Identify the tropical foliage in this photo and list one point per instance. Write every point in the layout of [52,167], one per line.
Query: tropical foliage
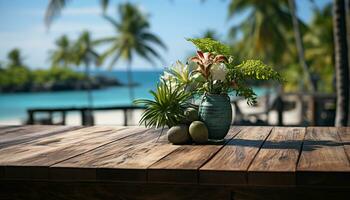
[212,71]
[55,7]
[62,56]
[320,48]
[264,29]
[167,108]
[133,37]
[268,33]
[16,76]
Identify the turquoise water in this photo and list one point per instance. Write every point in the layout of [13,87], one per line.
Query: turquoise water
[14,106]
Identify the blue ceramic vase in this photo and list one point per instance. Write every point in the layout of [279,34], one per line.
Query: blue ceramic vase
[216,112]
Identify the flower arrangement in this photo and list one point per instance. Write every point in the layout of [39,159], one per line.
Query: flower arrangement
[212,74]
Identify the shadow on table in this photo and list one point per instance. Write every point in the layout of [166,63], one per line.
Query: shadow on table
[307,145]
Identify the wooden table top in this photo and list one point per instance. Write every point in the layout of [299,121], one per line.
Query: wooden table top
[250,156]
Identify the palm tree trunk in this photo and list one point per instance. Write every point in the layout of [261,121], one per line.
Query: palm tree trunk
[88,117]
[299,45]
[348,37]
[89,85]
[130,82]
[341,63]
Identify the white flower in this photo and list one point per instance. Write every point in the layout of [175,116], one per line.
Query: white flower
[166,76]
[218,71]
[178,67]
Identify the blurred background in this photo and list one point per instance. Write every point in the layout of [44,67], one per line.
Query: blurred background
[83,62]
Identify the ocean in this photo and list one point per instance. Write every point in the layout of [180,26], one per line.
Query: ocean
[14,106]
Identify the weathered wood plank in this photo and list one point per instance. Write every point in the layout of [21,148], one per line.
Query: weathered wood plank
[344,134]
[323,160]
[4,129]
[29,133]
[83,167]
[275,164]
[132,165]
[229,166]
[181,166]
[36,157]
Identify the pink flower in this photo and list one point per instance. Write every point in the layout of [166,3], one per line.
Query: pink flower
[205,61]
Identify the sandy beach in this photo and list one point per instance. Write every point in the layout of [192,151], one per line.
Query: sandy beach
[101,118]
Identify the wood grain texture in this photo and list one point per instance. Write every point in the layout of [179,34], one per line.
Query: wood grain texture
[275,163]
[132,165]
[323,160]
[229,166]
[83,167]
[18,135]
[250,157]
[344,134]
[4,129]
[36,157]
[181,166]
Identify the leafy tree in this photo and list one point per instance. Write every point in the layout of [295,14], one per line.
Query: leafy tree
[132,38]
[62,56]
[16,74]
[211,33]
[266,33]
[319,46]
[83,53]
[15,58]
[264,28]
[300,46]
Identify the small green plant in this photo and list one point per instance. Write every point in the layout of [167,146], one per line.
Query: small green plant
[167,108]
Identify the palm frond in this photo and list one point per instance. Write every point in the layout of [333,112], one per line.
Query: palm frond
[104,4]
[104,40]
[115,59]
[112,21]
[153,38]
[53,9]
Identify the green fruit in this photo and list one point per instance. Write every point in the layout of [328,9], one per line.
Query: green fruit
[191,115]
[179,134]
[199,132]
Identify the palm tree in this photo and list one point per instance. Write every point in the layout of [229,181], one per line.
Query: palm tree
[62,56]
[299,44]
[15,58]
[83,53]
[264,29]
[55,7]
[341,63]
[267,32]
[210,33]
[132,37]
[319,47]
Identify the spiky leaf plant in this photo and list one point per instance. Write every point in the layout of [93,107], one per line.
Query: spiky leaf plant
[166,108]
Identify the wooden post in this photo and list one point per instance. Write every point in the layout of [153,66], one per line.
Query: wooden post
[30,117]
[63,118]
[83,119]
[50,120]
[279,107]
[125,117]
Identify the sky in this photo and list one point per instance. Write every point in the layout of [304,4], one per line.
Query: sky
[22,26]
